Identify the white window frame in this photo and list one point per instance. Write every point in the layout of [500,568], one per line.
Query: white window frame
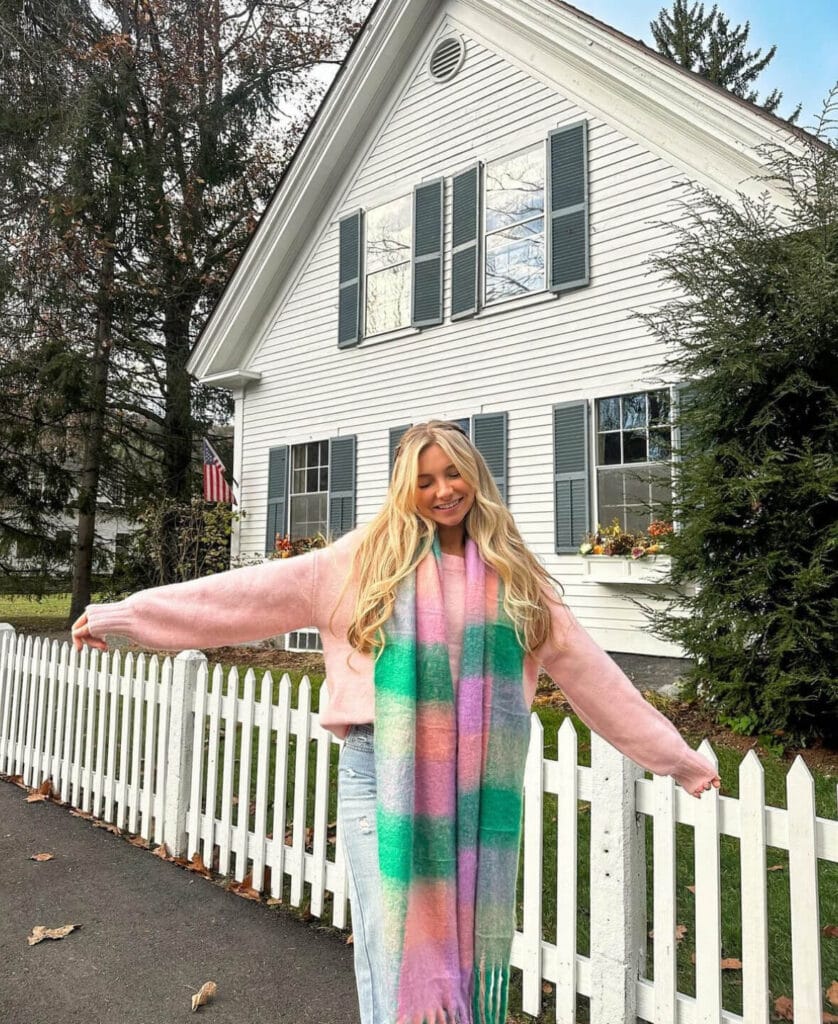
[367,274]
[292,493]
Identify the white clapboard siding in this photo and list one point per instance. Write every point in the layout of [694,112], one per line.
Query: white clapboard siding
[52,727]
[520,356]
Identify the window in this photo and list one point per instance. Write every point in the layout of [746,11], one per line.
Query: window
[514,225]
[309,488]
[633,455]
[388,266]
[304,640]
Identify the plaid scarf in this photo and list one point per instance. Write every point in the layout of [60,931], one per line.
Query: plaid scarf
[450,769]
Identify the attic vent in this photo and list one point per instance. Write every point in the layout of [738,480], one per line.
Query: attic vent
[447,58]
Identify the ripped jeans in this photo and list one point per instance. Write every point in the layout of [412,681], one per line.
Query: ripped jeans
[356,820]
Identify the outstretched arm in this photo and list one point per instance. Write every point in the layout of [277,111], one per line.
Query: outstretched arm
[607,701]
[227,608]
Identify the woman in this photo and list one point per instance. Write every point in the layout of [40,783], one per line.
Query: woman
[435,619]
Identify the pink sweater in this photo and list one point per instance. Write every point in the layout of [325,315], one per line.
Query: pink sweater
[278,596]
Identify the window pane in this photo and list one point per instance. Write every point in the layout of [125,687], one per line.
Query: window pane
[634,410]
[634,446]
[324,478]
[610,491]
[661,484]
[608,414]
[298,481]
[313,480]
[660,447]
[324,453]
[388,234]
[388,300]
[608,453]
[312,453]
[515,188]
[659,406]
[298,455]
[515,261]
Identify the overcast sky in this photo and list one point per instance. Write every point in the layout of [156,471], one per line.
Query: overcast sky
[805,66]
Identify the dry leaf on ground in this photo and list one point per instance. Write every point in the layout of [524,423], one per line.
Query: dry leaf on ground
[138,841]
[205,993]
[832,994]
[273,902]
[41,857]
[81,814]
[777,867]
[730,963]
[41,932]
[680,932]
[830,931]
[245,889]
[784,1008]
[197,865]
[546,988]
[108,827]
[350,939]
[691,888]
[43,792]
[161,852]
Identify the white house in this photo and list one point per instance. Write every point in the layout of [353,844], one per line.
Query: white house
[463,233]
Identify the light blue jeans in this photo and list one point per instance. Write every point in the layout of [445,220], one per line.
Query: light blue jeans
[356,820]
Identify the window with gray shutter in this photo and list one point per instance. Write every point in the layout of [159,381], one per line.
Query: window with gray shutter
[349,303]
[427,254]
[277,496]
[570,474]
[465,255]
[395,437]
[489,430]
[567,195]
[341,485]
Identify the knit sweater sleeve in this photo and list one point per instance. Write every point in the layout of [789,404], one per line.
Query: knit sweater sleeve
[237,606]
[607,701]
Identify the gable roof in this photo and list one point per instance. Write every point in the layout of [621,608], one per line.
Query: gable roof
[675,112]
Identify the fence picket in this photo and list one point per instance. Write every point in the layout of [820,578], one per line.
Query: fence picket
[754,894]
[160,689]
[152,739]
[213,744]
[139,689]
[102,702]
[196,789]
[37,741]
[57,763]
[32,681]
[803,892]
[46,746]
[225,831]
[298,842]
[567,832]
[283,732]
[11,646]
[708,918]
[245,758]
[69,722]
[263,752]
[19,692]
[323,740]
[83,668]
[533,868]
[113,720]
[664,905]
[91,683]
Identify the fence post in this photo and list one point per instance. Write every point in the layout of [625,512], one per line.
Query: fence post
[618,886]
[5,629]
[179,750]
[7,651]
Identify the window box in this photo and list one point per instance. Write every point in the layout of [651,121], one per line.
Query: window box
[617,569]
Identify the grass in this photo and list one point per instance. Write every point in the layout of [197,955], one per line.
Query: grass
[23,611]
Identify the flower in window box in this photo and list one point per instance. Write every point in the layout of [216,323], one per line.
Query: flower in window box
[638,552]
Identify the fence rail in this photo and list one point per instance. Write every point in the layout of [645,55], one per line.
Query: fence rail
[196,760]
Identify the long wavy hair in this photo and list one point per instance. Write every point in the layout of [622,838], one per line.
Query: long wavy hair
[399,536]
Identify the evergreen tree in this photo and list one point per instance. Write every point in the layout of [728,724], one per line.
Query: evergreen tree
[708,45]
[754,335]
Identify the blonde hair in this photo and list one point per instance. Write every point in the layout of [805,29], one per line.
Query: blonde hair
[400,536]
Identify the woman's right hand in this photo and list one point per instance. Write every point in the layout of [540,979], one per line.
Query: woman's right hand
[81,634]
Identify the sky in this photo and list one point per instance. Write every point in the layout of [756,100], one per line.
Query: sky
[805,66]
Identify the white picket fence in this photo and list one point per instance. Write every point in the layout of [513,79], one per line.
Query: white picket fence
[170,751]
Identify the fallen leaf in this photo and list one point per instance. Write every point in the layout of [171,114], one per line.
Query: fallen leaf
[830,931]
[832,994]
[17,780]
[784,1008]
[273,902]
[680,932]
[197,865]
[203,996]
[350,939]
[81,814]
[546,988]
[161,852]
[691,889]
[108,827]
[41,857]
[777,867]
[731,964]
[43,792]
[41,932]
[245,889]
[139,841]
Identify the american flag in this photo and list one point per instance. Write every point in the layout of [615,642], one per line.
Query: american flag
[216,487]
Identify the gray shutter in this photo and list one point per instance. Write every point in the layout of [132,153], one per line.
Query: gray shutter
[395,437]
[277,495]
[567,198]
[465,241]
[570,474]
[427,255]
[350,270]
[490,440]
[341,485]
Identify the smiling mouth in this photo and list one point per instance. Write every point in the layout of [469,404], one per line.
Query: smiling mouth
[447,508]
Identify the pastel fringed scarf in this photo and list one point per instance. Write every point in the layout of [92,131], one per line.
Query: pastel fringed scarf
[449,768]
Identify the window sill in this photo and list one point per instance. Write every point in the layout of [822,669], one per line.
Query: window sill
[616,570]
[382,339]
[519,302]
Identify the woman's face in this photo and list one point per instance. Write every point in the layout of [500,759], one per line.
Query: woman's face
[441,493]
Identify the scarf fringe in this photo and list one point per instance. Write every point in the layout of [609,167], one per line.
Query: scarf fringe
[491,994]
